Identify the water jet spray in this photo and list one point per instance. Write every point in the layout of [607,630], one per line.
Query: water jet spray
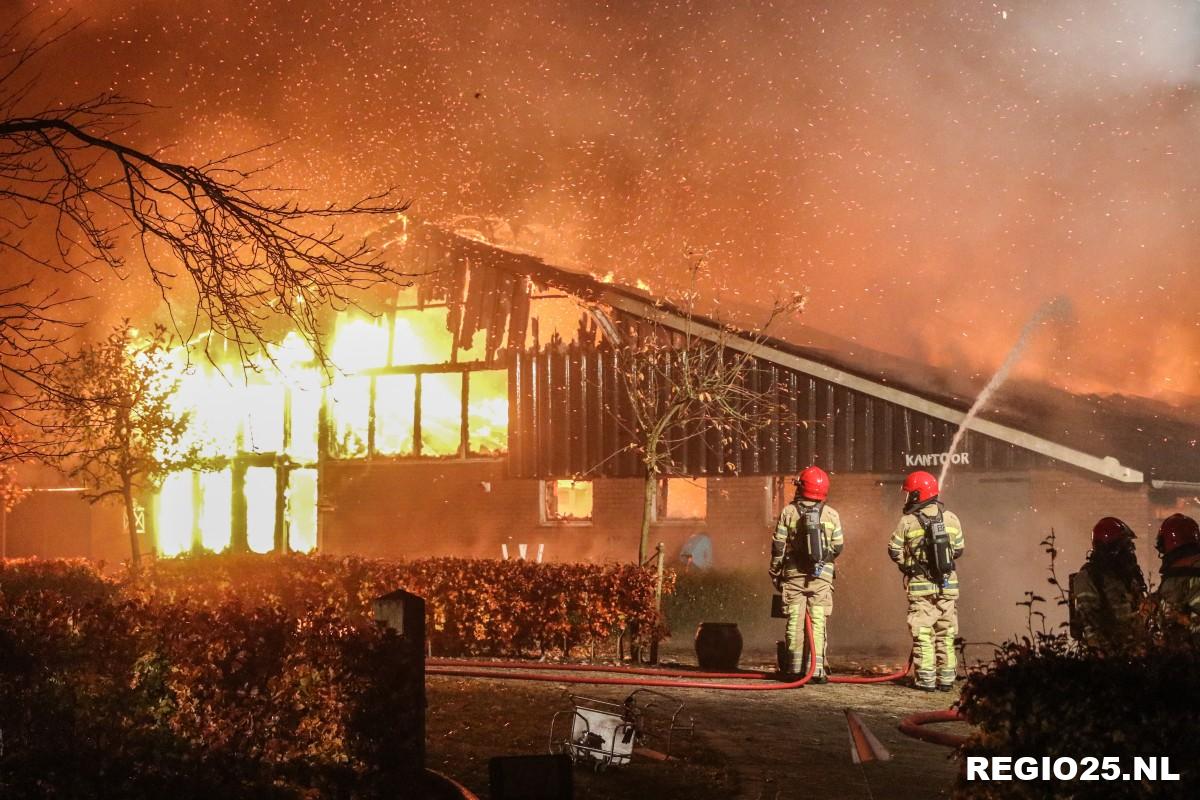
[1057,308]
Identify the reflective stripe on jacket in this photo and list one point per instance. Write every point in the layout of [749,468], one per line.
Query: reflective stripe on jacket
[796,561]
[907,548]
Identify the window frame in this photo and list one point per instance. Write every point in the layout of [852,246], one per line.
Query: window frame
[657,518]
[544,517]
[418,371]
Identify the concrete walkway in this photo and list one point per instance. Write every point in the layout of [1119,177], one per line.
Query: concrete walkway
[795,744]
[790,744]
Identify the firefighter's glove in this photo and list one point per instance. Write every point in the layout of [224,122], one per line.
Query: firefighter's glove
[776,577]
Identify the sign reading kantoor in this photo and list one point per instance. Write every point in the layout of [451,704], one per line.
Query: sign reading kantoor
[935,459]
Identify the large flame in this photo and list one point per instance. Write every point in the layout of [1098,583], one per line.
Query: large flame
[268,418]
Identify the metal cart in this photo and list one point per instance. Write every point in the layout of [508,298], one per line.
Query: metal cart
[602,733]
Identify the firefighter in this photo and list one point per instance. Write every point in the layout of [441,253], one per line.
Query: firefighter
[1109,588]
[807,540]
[1178,543]
[925,544]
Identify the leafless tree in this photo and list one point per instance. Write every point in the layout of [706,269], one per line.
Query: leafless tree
[229,253]
[684,386]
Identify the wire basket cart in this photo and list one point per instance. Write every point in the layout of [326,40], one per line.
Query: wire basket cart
[601,733]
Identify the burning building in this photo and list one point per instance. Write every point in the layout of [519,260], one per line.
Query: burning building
[480,413]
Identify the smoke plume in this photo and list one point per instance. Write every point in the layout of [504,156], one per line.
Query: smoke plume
[932,171]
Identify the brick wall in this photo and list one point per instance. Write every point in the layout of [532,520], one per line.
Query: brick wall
[1072,503]
[412,510]
[454,508]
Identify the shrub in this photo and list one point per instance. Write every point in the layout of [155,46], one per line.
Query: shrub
[260,676]
[110,694]
[474,606]
[1047,697]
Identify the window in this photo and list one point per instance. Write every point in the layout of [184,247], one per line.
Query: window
[302,510]
[567,501]
[487,412]
[381,415]
[681,499]
[441,414]
[350,405]
[395,398]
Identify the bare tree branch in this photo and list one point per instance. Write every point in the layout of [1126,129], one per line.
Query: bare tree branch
[235,259]
[682,387]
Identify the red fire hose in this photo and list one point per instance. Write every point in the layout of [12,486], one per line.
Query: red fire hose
[912,726]
[755,675]
[477,671]
[537,672]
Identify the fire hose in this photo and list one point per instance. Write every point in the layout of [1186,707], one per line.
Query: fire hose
[912,726]
[537,672]
[754,675]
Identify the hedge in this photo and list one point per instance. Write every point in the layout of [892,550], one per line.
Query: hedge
[106,693]
[1050,698]
[261,676]
[474,606]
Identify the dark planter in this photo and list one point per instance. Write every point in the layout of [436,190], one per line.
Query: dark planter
[718,646]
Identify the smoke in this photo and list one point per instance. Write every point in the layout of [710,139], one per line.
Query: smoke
[1057,308]
[931,171]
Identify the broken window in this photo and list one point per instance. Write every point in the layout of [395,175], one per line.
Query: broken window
[302,510]
[681,499]
[194,511]
[350,407]
[395,399]
[566,501]
[399,387]
[411,401]
[487,412]
[441,414]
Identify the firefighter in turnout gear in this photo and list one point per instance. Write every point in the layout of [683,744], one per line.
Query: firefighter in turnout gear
[1178,543]
[925,544]
[1109,589]
[807,540]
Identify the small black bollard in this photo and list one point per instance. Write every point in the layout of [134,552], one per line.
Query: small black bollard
[404,612]
[531,778]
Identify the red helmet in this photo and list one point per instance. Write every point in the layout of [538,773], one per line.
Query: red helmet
[813,483]
[1109,531]
[1177,531]
[920,487]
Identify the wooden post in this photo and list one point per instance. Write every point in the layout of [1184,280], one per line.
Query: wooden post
[660,551]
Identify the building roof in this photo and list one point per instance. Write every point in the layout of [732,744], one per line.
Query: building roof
[1123,438]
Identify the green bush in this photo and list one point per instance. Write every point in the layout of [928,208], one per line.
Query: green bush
[1048,698]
